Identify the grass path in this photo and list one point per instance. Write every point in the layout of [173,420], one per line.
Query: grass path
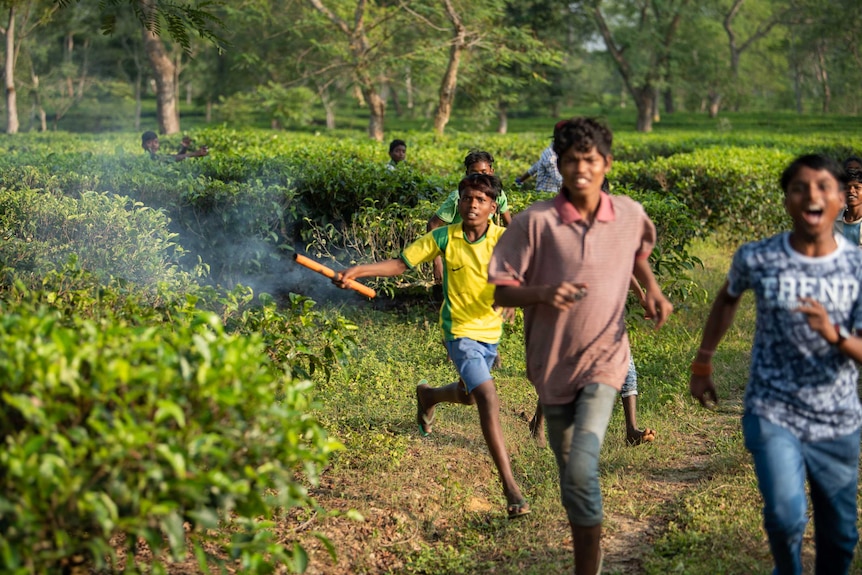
[687,503]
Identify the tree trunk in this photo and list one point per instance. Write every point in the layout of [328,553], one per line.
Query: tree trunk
[447,92]
[408,87]
[450,78]
[330,115]
[714,103]
[11,96]
[503,118]
[328,108]
[164,71]
[37,100]
[209,112]
[669,105]
[823,77]
[139,88]
[376,112]
[645,101]
[399,111]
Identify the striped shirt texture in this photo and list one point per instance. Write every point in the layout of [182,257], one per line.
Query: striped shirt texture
[549,243]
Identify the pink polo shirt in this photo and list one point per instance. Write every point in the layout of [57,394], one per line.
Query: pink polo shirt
[549,243]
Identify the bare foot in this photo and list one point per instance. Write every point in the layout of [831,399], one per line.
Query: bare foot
[537,430]
[637,436]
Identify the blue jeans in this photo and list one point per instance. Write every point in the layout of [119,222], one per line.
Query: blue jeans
[782,462]
[576,431]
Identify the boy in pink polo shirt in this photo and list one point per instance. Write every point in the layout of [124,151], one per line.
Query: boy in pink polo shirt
[568,262]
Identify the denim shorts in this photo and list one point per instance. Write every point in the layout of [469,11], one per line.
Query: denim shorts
[473,360]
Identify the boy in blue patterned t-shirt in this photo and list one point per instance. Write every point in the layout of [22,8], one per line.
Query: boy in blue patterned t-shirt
[802,412]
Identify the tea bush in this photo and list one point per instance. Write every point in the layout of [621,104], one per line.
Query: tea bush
[158,432]
[111,236]
[731,190]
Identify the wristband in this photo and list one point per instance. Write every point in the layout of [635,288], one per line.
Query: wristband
[701,369]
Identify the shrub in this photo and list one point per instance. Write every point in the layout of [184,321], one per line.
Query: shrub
[110,235]
[160,433]
[731,190]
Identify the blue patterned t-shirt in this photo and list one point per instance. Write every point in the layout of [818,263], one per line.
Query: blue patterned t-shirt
[798,380]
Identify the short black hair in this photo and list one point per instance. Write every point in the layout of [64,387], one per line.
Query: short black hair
[147,136]
[488,184]
[395,143]
[853,175]
[851,160]
[478,156]
[583,134]
[815,162]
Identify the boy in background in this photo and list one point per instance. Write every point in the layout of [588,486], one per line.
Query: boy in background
[849,222]
[472,326]
[853,162]
[150,144]
[548,178]
[568,262]
[397,153]
[802,413]
[476,162]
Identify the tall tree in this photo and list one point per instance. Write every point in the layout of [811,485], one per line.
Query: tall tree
[649,28]
[180,20]
[24,16]
[364,55]
[450,77]
[165,74]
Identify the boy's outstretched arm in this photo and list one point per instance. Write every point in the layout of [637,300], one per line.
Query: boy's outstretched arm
[719,320]
[657,306]
[386,268]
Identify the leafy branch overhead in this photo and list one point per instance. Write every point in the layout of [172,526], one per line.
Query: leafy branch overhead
[179,19]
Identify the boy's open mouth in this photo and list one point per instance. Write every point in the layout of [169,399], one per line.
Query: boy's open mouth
[813,215]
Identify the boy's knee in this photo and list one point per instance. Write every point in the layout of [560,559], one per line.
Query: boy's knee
[486,395]
[786,520]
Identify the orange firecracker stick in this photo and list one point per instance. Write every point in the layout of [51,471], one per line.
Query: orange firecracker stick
[330,273]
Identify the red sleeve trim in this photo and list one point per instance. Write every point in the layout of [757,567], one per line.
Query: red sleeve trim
[505,283]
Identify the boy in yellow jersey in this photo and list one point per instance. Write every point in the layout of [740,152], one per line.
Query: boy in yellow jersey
[472,326]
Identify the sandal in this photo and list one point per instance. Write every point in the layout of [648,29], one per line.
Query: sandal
[519,509]
[424,420]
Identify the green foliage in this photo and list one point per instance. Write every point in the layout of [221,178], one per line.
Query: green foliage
[109,235]
[285,106]
[296,336]
[375,234]
[734,190]
[115,427]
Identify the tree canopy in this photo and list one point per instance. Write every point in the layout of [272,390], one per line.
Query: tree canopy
[289,62]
